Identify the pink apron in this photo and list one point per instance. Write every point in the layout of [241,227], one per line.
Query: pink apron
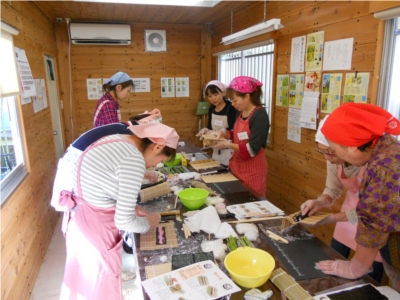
[253,171]
[94,264]
[344,231]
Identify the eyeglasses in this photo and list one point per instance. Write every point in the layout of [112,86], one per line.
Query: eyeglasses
[325,152]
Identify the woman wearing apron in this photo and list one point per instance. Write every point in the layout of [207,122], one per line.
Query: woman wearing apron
[221,115]
[340,174]
[359,134]
[107,180]
[249,134]
[116,88]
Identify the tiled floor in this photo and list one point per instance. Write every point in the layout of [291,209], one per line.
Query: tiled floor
[48,283]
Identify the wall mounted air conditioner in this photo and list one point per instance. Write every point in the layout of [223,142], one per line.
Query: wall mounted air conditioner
[100,34]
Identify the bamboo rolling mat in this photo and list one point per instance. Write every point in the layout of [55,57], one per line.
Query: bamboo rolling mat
[148,239]
[219,178]
[155,191]
[288,286]
[314,219]
[204,164]
[156,270]
[209,140]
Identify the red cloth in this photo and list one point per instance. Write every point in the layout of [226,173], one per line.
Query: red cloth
[355,124]
[109,112]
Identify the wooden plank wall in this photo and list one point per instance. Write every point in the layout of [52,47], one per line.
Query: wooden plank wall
[296,171]
[185,46]
[27,220]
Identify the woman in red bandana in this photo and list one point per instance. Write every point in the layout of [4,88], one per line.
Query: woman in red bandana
[249,134]
[360,134]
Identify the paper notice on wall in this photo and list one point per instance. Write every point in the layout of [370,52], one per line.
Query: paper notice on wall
[315,46]
[141,85]
[94,88]
[309,110]
[282,89]
[312,82]
[331,88]
[356,87]
[296,90]
[202,280]
[338,54]
[182,86]
[25,75]
[167,87]
[294,127]
[297,54]
[40,100]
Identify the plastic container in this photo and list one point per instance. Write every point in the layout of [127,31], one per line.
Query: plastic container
[193,198]
[249,267]
[177,161]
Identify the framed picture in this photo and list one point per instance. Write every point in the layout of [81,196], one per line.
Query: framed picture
[155,40]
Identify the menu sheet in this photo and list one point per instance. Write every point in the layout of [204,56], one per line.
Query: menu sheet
[282,89]
[203,280]
[254,209]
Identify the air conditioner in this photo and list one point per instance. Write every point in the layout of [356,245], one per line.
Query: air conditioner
[100,34]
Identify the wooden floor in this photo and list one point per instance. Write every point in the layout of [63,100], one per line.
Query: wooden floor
[48,283]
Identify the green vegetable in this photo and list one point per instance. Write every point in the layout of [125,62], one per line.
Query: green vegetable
[231,243]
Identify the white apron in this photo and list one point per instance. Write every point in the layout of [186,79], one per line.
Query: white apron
[223,155]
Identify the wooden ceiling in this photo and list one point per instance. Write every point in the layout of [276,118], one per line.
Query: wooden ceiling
[135,13]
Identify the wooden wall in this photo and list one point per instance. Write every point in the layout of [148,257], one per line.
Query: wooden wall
[297,172]
[27,220]
[185,46]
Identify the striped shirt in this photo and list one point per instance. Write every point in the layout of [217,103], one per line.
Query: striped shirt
[111,175]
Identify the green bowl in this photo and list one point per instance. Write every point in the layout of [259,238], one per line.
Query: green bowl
[193,198]
[177,161]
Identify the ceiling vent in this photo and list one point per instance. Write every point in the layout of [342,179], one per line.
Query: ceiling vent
[100,34]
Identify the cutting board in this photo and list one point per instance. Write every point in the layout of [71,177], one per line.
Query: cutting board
[219,178]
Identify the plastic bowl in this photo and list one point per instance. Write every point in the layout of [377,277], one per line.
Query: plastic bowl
[249,267]
[177,161]
[193,198]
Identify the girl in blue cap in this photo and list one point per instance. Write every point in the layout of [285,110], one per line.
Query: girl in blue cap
[107,109]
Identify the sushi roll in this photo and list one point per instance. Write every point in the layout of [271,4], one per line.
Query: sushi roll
[203,280]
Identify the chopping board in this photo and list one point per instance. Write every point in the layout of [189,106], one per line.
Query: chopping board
[148,239]
[219,178]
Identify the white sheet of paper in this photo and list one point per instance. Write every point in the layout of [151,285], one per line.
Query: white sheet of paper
[141,85]
[294,128]
[254,209]
[309,110]
[25,74]
[297,54]
[338,54]
[243,136]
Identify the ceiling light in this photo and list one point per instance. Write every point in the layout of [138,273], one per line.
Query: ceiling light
[264,27]
[199,3]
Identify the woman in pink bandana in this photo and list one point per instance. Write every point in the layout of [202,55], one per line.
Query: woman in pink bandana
[249,135]
[107,181]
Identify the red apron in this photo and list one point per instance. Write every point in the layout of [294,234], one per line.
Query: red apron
[344,231]
[94,247]
[253,171]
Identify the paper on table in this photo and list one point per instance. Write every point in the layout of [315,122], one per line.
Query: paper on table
[309,110]
[203,280]
[254,209]
[385,290]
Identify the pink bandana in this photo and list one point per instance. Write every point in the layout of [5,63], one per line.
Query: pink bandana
[157,133]
[244,84]
[218,84]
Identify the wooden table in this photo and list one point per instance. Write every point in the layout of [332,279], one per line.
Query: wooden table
[192,245]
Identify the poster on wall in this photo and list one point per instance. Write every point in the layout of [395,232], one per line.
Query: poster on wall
[297,54]
[331,88]
[141,85]
[94,88]
[312,82]
[315,46]
[282,89]
[40,100]
[294,128]
[25,75]
[296,88]
[167,87]
[356,87]
[182,86]
[338,54]
[309,110]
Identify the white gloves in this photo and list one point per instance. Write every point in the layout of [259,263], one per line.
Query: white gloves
[347,269]
[203,131]
[312,206]
[221,145]
[151,175]
[219,134]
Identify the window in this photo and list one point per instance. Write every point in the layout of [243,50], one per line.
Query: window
[256,62]
[13,168]
[389,88]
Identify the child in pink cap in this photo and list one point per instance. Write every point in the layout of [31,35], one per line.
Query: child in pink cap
[249,134]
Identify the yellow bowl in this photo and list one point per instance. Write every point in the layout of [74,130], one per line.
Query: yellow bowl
[249,267]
